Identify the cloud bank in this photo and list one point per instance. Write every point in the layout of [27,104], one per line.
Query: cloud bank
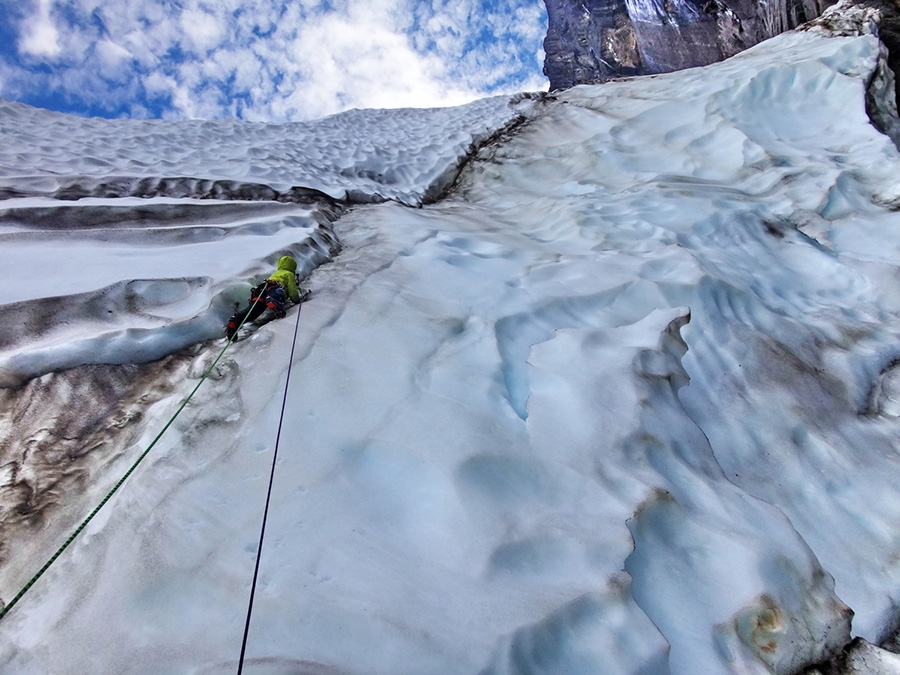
[266,60]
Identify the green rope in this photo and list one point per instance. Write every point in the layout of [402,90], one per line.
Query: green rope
[84,523]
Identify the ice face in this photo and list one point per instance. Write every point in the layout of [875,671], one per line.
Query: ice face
[623,402]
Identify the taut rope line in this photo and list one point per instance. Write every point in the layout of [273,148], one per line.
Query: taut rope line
[262,532]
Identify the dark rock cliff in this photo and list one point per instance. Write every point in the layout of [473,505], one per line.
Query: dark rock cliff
[593,40]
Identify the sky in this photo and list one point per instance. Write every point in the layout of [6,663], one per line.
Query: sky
[265,60]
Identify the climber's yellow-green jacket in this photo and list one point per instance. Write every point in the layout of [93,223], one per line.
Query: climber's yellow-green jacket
[285,275]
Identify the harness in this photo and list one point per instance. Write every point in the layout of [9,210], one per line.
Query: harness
[272,294]
[259,292]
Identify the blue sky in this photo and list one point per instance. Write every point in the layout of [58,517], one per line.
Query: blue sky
[266,60]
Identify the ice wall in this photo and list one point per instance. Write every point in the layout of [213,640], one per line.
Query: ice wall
[625,401]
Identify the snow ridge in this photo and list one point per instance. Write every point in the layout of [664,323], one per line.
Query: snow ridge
[358,156]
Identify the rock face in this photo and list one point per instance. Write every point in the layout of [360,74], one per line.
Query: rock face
[593,40]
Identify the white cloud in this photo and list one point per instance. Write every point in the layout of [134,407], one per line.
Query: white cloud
[157,83]
[365,65]
[201,29]
[114,60]
[39,36]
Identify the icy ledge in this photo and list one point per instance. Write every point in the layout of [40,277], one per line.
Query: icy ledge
[136,282]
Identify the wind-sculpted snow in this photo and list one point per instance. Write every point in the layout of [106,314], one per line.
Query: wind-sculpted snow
[627,401]
[363,155]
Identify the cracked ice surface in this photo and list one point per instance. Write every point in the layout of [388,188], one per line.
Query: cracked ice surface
[625,403]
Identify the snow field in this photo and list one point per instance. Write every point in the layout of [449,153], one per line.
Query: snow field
[364,155]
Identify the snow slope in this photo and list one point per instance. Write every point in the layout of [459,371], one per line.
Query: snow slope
[369,155]
[624,402]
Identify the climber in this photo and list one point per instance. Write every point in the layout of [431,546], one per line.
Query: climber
[272,294]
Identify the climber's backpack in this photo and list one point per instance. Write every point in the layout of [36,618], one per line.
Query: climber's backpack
[259,292]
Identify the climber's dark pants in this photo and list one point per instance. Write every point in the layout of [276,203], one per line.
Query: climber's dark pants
[274,297]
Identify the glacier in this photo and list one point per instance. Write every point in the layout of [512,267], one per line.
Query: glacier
[599,382]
